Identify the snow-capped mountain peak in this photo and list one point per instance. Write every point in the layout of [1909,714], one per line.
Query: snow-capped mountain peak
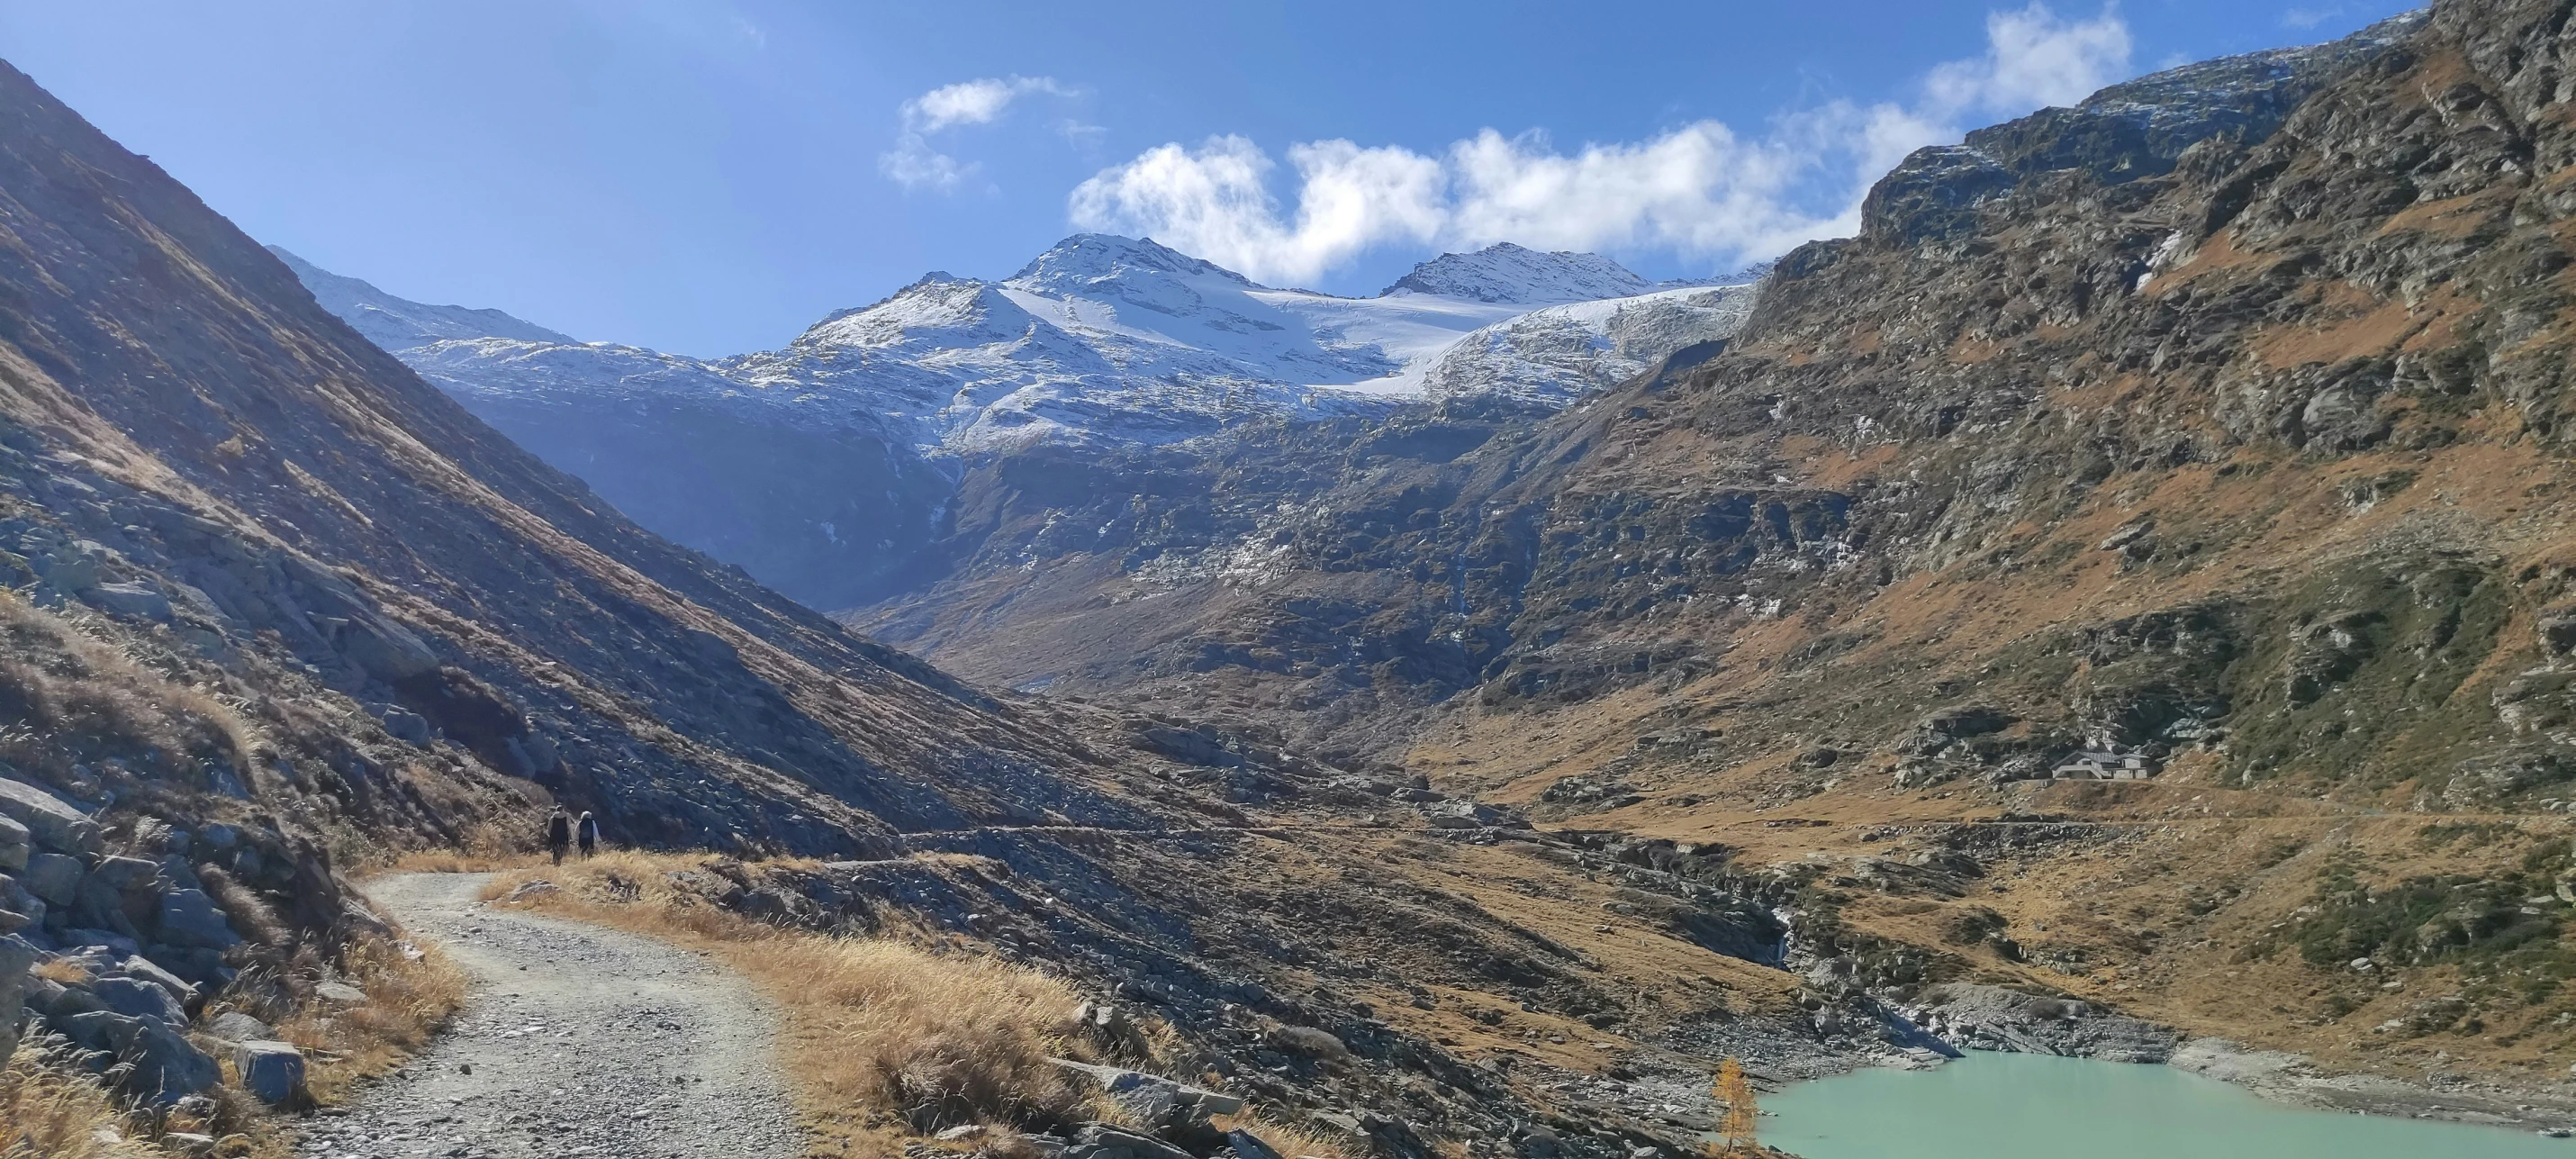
[1504,272]
[1076,264]
[401,324]
[939,309]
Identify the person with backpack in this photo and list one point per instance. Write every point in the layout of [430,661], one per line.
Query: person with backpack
[558,834]
[587,832]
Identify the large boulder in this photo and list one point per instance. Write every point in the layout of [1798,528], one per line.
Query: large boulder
[17,844]
[1465,814]
[161,1066]
[190,920]
[53,823]
[235,1026]
[272,1071]
[54,877]
[137,998]
[145,969]
[15,897]
[99,905]
[1176,1110]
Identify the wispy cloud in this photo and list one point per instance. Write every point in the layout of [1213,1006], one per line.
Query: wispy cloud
[915,163]
[1703,190]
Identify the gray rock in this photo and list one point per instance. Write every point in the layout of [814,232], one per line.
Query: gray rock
[1994,1018]
[145,969]
[98,905]
[17,843]
[116,943]
[340,994]
[1465,814]
[16,956]
[272,1071]
[128,599]
[1102,1141]
[136,998]
[1160,1103]
[166,1067]
[1246,1145]
[53,877]
[53,823]
[405,725]
[235,1026]
[189,919]
[57,1001]
[1348,1124]
[125,873]
[14,896]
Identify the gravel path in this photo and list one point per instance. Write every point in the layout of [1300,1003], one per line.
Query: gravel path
[575,1040]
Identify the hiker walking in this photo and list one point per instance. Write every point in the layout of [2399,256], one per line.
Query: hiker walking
[588,833]
[558,834]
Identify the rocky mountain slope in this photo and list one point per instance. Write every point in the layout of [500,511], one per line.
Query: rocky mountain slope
[828,468]
[279,605]
[2215,421]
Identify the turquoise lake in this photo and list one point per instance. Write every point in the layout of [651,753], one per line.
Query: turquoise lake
[2020,1106]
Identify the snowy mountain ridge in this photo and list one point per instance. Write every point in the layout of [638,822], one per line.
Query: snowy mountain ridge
[818,465]
[1515,274]
[1099,339]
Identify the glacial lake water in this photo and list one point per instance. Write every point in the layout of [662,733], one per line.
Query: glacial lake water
[2021,1106]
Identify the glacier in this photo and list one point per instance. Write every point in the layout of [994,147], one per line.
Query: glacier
[825,467]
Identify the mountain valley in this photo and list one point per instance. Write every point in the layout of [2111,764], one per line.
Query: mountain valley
[2119,603]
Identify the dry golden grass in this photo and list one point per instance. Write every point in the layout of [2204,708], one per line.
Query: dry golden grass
[46,1114]
[67,971]
[57,674]
[408,998]
[488,848]
[1290,1139]
[882,1037]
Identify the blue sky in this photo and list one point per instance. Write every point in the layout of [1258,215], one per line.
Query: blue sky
[710,176]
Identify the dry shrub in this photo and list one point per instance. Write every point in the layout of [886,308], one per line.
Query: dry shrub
[66,971]
[1288,1139]
[411,991]
[873,1024]
[47,1114]
[62,679]
[941,1040]
[249,912]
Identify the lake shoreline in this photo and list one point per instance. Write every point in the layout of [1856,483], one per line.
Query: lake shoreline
[2019,1105]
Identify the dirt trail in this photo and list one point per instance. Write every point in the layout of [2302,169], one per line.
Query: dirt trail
[575,1041]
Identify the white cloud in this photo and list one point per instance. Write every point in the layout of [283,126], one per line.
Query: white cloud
[2033,59]
[974,102]
[914,162]
[1703,190]
[1215,203]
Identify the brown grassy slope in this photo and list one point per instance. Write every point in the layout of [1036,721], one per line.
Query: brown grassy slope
[2252,451]
[2335,408]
